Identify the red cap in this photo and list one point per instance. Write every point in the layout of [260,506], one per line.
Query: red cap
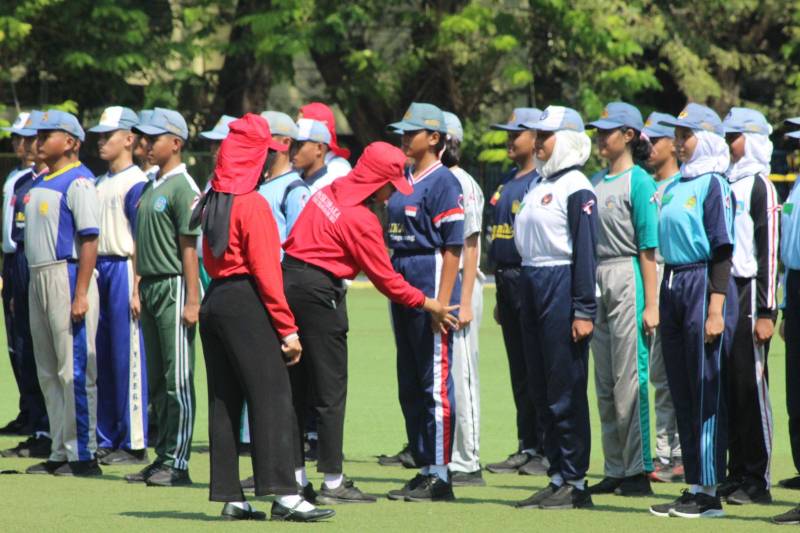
[380,163]
[323,113]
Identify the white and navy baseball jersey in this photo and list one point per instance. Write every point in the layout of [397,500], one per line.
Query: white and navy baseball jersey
[9,188]
[473,206]
[119,195]
[62,206]
[429,218]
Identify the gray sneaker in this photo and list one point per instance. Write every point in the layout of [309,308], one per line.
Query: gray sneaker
[347,492]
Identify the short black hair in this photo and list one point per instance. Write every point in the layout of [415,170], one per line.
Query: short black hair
[452,153]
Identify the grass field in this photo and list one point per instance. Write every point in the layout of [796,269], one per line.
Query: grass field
[373,426]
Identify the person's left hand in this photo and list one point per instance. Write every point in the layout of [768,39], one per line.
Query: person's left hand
[292,351]
[650,319]
[764,330]
[581,328]
[464,316]
[715,325]
[80,305]
[191,314]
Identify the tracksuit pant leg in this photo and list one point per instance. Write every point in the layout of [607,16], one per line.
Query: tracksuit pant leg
[621,359]
[509,308]
[791,324]
[169,346]
[750,430]
[696,370]
[558,369]
[668,446]
[14,348]
[424,362]
[244,362]
[466,380]
[66,360]
[319,303]
[32,398]
[121,365]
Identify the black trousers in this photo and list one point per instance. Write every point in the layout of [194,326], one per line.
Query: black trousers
[791,319]
[318,301]
[509,309]
[750,424]
[244,361]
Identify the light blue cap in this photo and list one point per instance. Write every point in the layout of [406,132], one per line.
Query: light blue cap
[556,118]
[53,119]
[654,129]
[280,124]
[794,121]
[453,124]
[20,126]
[116,118]
[220,129]
[618,115]
[519,116]
[699,118]
[144,116]
[794,134]
[744,120]
[421,116]
[164,121]
[312,130]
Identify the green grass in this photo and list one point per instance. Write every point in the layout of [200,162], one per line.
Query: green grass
[373,426]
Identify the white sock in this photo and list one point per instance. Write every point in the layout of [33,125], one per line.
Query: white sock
[300,476]
[425,470]
[312,435]
[530,451]
[578,483]
[439,471]
[332,481]
[710,490]
[293,500]
[694,489]
[42,434]
[557,480]
[663,460]
[244,506]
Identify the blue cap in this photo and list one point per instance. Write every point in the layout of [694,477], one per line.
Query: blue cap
[421,116]
[744,120]
[794,134]
[654,129]
[280,124]
[556,118]
[697,117]
[313,130]
[618,115]
[164,121]
[520,115]
[220,129]
[53,119]
[20,126]
[116,118]
[453,124]
[144,116]
[794,121]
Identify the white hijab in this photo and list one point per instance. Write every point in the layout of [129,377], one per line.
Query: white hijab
[711,155]
[756,158]
[571,148]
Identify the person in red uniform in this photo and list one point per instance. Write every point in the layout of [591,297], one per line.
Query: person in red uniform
[248,331]
[336,237]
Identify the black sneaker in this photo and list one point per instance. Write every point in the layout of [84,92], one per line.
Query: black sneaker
[231,512]
[511,465]
[142,475]
[168,476]
[701,506]
[14,427]
[248,484]
[790,483]
[88,468]
[46,467]
[432,489]
[126,457]
[567,497]
[747,494]
[467,479]
[537,497]
[663,509]
[789,518]
[606,486]
[402,458]
[308,493]
[347,492]
[638,485]
[281,513]
[400,494]
[38,447]
[537,465]
[728,487]
[103,452]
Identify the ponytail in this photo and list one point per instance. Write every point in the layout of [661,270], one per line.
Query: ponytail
[640,146]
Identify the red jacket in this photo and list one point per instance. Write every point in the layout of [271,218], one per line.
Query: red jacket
[337,232]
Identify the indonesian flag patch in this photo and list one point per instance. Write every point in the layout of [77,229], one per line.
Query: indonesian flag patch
[587,207]
[411,211]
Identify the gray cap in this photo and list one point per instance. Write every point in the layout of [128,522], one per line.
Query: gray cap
[312,130]
[164,121]
[280,124]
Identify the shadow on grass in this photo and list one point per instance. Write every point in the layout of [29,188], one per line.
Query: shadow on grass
[176,515]
[368,479]
[121,478]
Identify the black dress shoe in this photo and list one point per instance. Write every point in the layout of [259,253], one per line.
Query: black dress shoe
[402,458]
[125,457]
[79,469]
[537,465]
[168,476]
[511,464]
[46,467]
[747,494]
[728,487]
[432,489]
[346,492]
[790,483]
[142,475]
[282,513]
[789,518]
[537,497]
[14,427]
[606,486]
[38,447]
[567,497]
[632,486]
[231,512]
[467,479]
[400,494]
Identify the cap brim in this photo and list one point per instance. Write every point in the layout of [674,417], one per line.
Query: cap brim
[506,127]
[278,147]
[732,129]
[404,126]
[150,130]
[212,135]
[656,134]
[794,121]
[103,129]
[402,185]
[793,134]
[538,126]
[677,122]
[22,132]
[604,124]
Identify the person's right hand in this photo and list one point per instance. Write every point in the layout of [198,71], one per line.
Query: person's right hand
[136,306]
[496,315]
[292,350]
[441,319]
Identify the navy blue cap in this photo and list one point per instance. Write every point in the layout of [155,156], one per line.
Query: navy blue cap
[654,128]
[519,116]
[697,117]
[745,120]
[53,119]
[618,115]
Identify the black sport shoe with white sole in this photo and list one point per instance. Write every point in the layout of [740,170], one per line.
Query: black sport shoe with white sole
[536,498]
[400,494]
[347,492]
[663,509]
[789,518]
[568,497]
[701,506]
[511,464]
[432,489]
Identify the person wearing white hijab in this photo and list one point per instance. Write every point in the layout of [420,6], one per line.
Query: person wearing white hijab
[698,305]
[555,232]
[755,268]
